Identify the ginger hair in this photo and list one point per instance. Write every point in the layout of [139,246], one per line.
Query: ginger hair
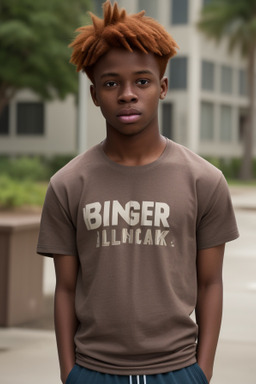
[118,29]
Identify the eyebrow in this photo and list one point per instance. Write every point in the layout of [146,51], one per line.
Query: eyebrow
[114,74]
[109,74]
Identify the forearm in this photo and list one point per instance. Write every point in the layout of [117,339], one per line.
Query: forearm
[65,328]
[208,315]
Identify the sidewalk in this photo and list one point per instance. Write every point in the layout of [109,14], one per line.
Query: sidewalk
[28,354]
[243,197]
[28,357]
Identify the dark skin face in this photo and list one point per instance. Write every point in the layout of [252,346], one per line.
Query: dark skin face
[127,87]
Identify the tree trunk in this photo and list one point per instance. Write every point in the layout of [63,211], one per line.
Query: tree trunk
[6,94]
[246,172]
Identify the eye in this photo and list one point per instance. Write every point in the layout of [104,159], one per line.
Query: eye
[142,82]
[110,84]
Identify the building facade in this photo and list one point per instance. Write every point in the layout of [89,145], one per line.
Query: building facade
[205,107]
[30,126]
[207,101]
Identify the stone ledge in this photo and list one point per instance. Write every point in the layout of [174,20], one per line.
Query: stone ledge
[18,221]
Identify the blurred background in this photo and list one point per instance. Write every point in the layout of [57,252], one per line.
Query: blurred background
[47,118]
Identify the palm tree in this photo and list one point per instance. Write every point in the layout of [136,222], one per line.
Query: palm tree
[236,19]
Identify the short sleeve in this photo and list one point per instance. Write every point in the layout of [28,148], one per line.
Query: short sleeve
[217,223]
[57,233]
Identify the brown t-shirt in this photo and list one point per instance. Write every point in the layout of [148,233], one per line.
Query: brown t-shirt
[136,232]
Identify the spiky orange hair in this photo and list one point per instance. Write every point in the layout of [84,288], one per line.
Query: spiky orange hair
[118,29]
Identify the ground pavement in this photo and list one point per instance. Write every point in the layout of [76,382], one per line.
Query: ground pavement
[28,353]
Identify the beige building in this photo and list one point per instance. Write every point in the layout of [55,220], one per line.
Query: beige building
[205,107]
[30,126]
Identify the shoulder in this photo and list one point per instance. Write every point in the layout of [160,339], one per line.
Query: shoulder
[191,159]
[194,166]
[197,177]
[78,167]
[69,182]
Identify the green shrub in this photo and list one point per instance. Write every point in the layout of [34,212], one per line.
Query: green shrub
[32,168]
[23,180]
[54,163]
[24,168]
[230,166]
[14,193]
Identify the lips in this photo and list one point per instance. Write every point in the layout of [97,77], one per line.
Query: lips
[129,115]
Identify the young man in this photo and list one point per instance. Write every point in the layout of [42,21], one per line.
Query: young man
[136,226]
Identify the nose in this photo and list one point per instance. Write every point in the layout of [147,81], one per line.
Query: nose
[127,95]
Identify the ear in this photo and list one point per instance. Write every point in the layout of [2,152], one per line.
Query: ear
[94,95]
[164,88]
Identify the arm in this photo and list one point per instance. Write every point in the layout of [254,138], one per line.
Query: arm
[209,305]
[66,268]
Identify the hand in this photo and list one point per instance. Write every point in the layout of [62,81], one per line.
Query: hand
[65,374]
[207,373]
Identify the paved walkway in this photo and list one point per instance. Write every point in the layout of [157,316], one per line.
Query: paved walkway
[28,354]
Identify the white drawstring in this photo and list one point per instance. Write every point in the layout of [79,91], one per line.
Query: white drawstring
[138,379]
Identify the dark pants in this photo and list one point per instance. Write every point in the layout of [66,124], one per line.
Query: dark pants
[189,375]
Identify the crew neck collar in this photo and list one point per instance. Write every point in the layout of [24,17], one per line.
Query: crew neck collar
[135,168]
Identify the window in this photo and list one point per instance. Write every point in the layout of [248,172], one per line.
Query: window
[207,122]
[150,6]
[226,79]
[207,76]
[178,73]
[30,118]
[243,86]
[179,12]
[4,121]
[167,128]
[226,123]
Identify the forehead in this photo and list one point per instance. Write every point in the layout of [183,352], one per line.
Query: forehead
[120,61]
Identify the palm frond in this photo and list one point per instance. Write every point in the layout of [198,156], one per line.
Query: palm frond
[235,19]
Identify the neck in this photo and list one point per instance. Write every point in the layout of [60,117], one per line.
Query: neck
[134,150]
